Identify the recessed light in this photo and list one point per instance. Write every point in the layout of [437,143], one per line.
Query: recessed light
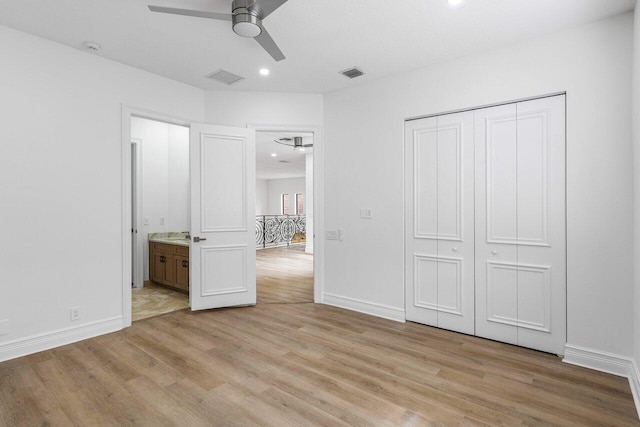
[274,155]
[264,71]
[455,3]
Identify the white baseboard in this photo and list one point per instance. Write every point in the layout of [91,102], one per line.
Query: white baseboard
[366,307]
[46,341]
[599,360]
[606,362]
[634,382]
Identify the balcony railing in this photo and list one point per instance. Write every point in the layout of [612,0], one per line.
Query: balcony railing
[278,230]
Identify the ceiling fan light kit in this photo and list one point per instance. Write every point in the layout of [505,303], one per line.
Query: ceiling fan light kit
[246,23]
[246,18]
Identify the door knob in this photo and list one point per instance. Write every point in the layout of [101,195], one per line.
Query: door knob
[454,249]
[199,239]
[494,252]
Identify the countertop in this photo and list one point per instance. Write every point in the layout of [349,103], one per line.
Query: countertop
[171,238]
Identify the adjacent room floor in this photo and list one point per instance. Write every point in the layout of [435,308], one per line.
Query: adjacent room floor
[283,275]
[302,364]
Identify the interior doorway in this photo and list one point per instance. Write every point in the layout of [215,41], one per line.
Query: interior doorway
[160,217]
[284,217]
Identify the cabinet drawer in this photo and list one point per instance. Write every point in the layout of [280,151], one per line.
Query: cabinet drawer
[162,248]
[182,250]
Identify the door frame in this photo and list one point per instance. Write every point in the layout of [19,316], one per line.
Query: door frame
[318,197]
[126,114]
[137,266]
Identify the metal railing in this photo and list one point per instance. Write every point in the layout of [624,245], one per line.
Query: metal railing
[278,230]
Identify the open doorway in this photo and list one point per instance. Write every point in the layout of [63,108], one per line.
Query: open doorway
[160,217]
[284,217]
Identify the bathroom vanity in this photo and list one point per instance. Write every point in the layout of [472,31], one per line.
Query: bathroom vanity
[169,260]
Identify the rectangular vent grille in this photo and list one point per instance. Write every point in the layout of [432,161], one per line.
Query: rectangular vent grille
[225,77]
[352,73]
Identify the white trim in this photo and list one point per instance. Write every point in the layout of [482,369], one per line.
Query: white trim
[599,360]
[49,340]
[318,198]
[366,307]
[634,383]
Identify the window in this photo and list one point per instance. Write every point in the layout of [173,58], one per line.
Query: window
[299,203]
[284,204]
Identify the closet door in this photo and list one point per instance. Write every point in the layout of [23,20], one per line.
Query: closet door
[439,193]
[520,224]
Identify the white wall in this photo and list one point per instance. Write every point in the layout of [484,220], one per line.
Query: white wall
[593,65]
[261,197]
[242,108]
[61,183]
[165,179]
[277,187]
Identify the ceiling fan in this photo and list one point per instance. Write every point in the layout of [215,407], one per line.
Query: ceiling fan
[246,17]
[295,142]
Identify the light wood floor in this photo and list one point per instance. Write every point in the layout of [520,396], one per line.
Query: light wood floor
[301,364]
[284,275]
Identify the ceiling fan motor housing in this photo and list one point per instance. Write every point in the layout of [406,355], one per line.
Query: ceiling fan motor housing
[246,22]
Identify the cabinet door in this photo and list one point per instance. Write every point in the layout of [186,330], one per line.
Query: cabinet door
[170,269]
[182,272]
[158,267]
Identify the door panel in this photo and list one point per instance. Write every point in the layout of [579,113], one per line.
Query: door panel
[496,223]
[439,160]
[223,196]
[521,259]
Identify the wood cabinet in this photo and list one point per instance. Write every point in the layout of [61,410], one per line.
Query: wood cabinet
[169,265]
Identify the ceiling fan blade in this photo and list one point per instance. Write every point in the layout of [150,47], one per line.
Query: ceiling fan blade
[282,143]
[194,13]
[308,145]
[264,7]
[269,45]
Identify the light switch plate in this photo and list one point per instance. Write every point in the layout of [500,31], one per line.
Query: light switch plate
[162,220]
[363,213]
[332,234]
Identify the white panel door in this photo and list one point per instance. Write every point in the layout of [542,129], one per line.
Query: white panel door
[439,209]
[520,224]
[222,254]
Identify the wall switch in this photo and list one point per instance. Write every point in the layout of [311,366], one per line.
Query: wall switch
[4,327]
[162,220]
[369,213]
[145,221]
[363,213]
[332,234]
[340,234]
[75,313]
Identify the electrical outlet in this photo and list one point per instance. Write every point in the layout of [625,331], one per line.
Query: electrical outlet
[369,213]
[75,313]
[145,221]
[4,327]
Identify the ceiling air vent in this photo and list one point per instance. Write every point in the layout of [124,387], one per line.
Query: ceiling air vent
[352,73]
[225,77]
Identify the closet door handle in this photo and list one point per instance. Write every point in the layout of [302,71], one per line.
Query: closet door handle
[454,249]
[494,252]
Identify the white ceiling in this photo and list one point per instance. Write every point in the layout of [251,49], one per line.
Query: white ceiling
[268,167]
[318,37]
